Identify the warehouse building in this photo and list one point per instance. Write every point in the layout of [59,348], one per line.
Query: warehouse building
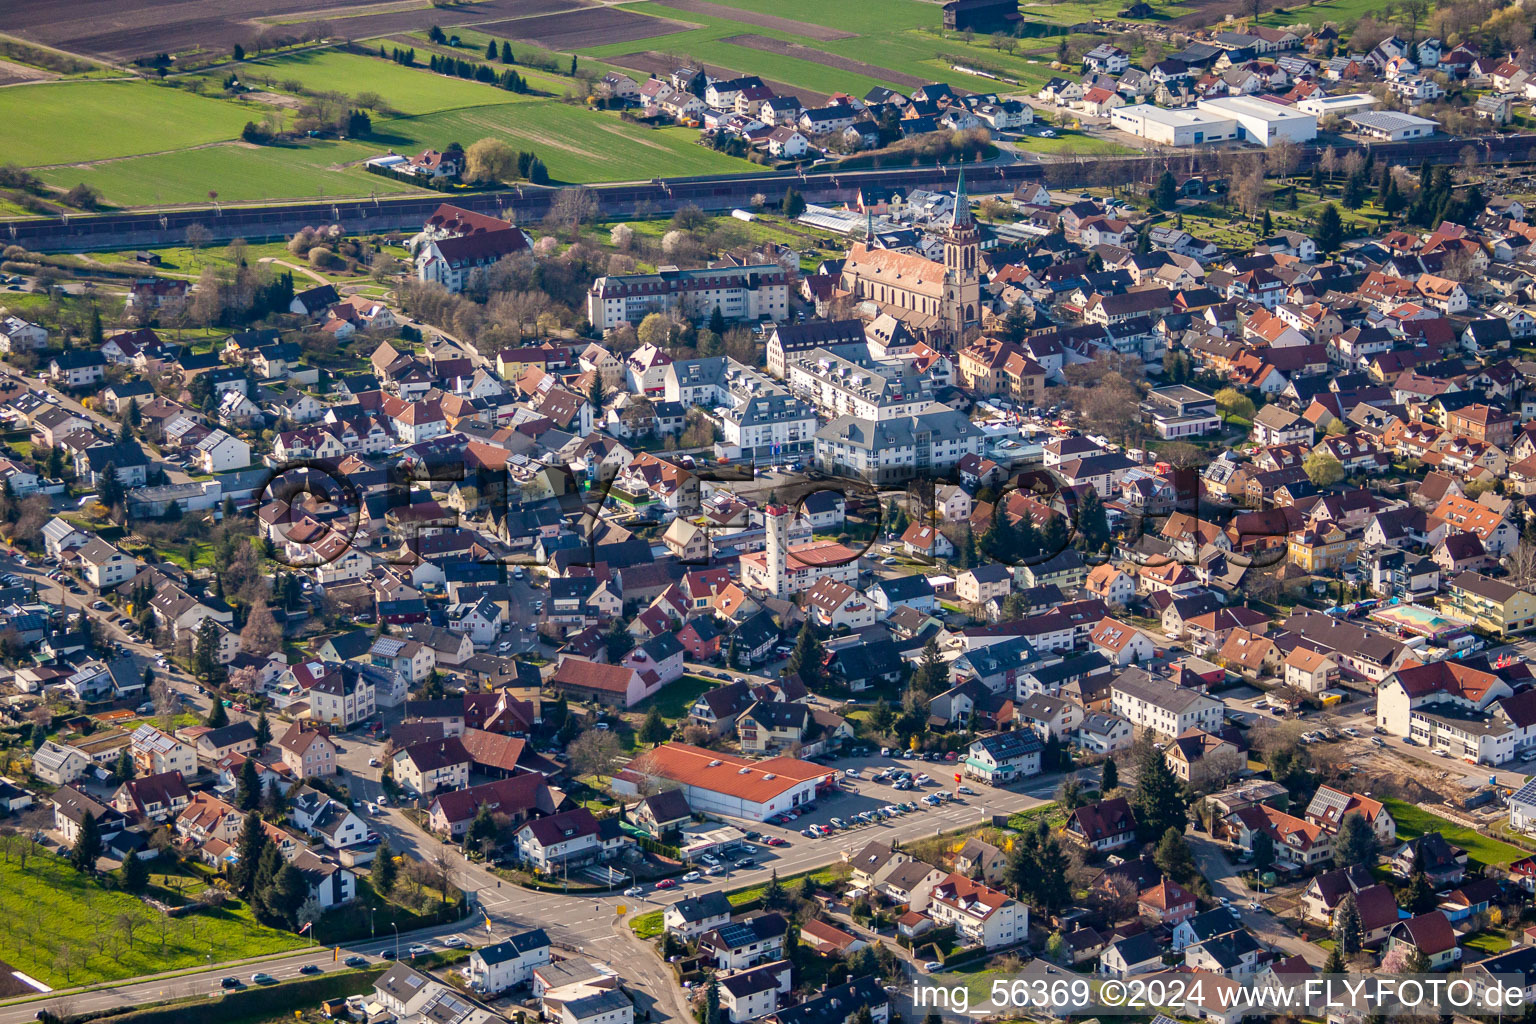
[1391,126]
[1262,122]
[1188,127]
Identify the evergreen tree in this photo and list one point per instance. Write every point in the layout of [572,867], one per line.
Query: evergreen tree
[134,874]
[248,790]
[596,395]
[274,805]
[1263,852]
[807,657]
[932,674]
[124,769]
[490,50]
[1355,191]
[711,1012]
[1173,857]
[1110,778]
[1329,230]
[87,848]
[384,867]
[1055,538]
[217,717]
[1356,842]
[1418,896]
[249,847]
[774,896]
[794,203]
[1348,932]
[655,728]
[1092,522]
[1053,892]
[506,53]
[482,830]
[206,666]
[109,489]
[263,730]
[1166,195]
[717,320]
[1158,799]
[1335,962]
[1266,226]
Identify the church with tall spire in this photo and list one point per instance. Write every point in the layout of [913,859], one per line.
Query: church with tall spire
[938,301]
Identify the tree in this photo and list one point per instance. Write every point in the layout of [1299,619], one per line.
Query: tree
[248,791]
[263,730]
[808,655]
[261,635]
[490,160]
[1173,857]
[205,657]
[1166,195]
[1092,522]
[482,830]
[1328,233]
[124,769]
[1356,842]
[1158,799]
[134,874]
[596,395]
[87,848]
[655,728]
[384,867]
[109,489]
[594,752]
[506,53]
[1267,225]
[1110,777]
[1233,402]
[490,50]
[1263,851]
[794,203]
[1335,962]
[1418,896]
[1055,947]
[249,846]
[1322,468]
[217,717]
[1052,889]
[932,675]
[1348,932]
[774,896]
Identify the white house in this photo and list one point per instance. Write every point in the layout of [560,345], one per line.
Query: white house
[508,963]
[220,451]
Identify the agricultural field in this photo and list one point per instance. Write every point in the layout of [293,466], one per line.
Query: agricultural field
[102,120]
[1339,12]
[237,171]
[407,91]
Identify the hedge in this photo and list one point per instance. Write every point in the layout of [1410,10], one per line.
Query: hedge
[258,1002]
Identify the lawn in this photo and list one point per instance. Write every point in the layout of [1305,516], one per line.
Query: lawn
[98,120]
[316,168]
[1489,942]
[1340,12]
[676,698]
[1073,143]
[1413,821]
[64,929]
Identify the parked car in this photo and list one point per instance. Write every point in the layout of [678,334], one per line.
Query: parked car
[692,876]
[418,950]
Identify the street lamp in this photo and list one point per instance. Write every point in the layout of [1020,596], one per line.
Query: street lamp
[396,927]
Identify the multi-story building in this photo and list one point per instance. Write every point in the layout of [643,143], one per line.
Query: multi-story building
[507,963]
[1160,706]
[859,386]
[756,291]
[342,697]
[928,443]
[981,916]
[1489,604]
[155,753]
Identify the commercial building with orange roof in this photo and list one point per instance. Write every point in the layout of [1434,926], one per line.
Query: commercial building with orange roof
[720,783]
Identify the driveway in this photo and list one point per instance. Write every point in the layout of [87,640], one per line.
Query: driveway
[1219,871]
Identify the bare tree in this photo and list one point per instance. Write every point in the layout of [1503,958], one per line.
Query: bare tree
[198,236]
[594,752]
[1521,564]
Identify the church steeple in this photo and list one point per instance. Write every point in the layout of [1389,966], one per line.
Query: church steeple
[962,218]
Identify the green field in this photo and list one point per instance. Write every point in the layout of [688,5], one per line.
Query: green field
[407,90]
[63,929]
[575,143]
[1413,821]
[237,171]
[66,122]
[1341,12]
